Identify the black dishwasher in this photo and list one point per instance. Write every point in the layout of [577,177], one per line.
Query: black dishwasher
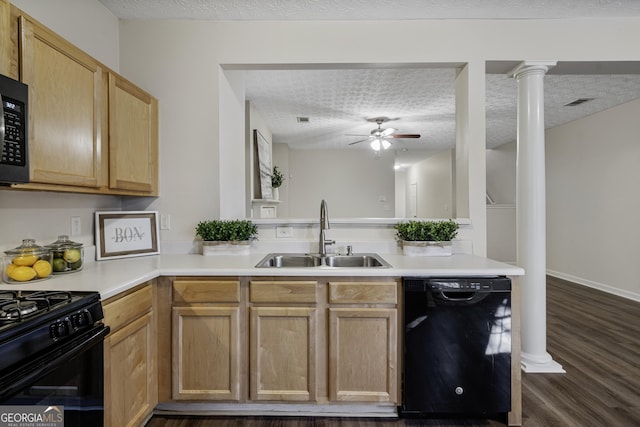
[457,346]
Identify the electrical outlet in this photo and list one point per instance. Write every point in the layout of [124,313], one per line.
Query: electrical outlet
[76,226]
[284,232]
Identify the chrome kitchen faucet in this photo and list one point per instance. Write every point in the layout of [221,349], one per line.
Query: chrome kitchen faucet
[324,225]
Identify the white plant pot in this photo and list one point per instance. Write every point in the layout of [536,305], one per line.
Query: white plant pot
[226,248]
[275,193]
[426,248]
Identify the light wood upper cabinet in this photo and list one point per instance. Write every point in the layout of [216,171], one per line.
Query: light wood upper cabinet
[65,94]
[130,359]
[90,130]
[5,38]
[133,137]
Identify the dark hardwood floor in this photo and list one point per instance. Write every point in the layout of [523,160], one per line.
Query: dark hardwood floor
[594,335]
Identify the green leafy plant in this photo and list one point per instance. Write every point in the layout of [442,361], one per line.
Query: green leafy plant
[226,230]
[277,178]
[433,231]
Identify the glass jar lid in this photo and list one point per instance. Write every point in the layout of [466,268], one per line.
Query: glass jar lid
[63,242]
[28,247]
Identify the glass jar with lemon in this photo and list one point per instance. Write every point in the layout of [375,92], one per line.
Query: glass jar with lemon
[27,263]
[68,256]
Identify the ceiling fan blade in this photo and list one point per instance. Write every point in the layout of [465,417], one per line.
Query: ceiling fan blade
[356,142]
[354,134]
[405,135]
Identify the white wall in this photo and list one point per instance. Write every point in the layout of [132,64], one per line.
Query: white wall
[593,201]
[353,182]
[501,217]
[433,178]
[41,215]
[501,174]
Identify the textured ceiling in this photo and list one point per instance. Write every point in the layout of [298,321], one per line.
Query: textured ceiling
[339,102]
[273,10]
[419,100]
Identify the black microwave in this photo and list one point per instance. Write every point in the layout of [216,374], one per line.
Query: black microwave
[14,130]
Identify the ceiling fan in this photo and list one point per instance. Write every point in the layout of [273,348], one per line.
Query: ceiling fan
[379,137]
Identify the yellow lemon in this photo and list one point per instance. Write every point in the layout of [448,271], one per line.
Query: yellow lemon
[25,260]
[10,268]
[22,274]
[42,268]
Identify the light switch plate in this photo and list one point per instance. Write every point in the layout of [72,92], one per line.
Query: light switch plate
[76,226]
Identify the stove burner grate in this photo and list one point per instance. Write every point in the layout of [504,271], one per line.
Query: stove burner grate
[15,307]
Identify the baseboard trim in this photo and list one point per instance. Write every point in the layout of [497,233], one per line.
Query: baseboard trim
[276,409]
[595,285]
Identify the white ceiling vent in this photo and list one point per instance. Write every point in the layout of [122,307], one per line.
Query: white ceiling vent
[578,102]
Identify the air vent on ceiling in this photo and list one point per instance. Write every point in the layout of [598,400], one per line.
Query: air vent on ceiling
[578,102]
[302,119]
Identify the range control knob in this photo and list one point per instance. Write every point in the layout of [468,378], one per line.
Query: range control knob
[81,319]
[60,328]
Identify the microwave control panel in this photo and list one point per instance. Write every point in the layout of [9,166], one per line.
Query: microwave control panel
[14,146]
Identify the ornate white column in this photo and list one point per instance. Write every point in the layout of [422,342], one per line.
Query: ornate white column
[531,215]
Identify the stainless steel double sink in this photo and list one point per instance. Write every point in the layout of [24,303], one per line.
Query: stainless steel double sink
[292,260]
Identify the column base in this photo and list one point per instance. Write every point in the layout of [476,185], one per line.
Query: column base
[536,364]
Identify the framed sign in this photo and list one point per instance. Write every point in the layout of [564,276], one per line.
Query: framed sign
[126,234]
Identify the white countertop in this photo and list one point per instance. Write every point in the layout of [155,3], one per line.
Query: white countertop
[111,277]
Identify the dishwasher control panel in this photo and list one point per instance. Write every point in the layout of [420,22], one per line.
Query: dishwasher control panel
[420,284]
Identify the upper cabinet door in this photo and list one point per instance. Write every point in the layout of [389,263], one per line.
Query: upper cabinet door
[65,97]
[133,137]
[5,38]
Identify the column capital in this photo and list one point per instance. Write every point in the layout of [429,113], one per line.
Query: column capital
[526,66]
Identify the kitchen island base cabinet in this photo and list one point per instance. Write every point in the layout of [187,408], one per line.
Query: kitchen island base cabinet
[205,353]
[363,342]
[282,340]
[130,387]
[282,353]
[206,340]
[255,343]
[362,355]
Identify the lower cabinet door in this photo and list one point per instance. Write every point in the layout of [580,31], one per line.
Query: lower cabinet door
[206,347]
[282,353]
[130,374]
[363,349]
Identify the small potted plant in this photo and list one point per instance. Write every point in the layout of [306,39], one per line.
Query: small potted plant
[277,178]
[426,238]
[226,237]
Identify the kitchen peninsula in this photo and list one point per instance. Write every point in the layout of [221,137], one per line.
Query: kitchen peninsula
[177,317]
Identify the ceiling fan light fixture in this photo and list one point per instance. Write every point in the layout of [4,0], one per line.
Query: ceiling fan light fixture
[385,144]
[375,144]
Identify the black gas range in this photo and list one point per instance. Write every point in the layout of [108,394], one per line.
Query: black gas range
[51,352]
